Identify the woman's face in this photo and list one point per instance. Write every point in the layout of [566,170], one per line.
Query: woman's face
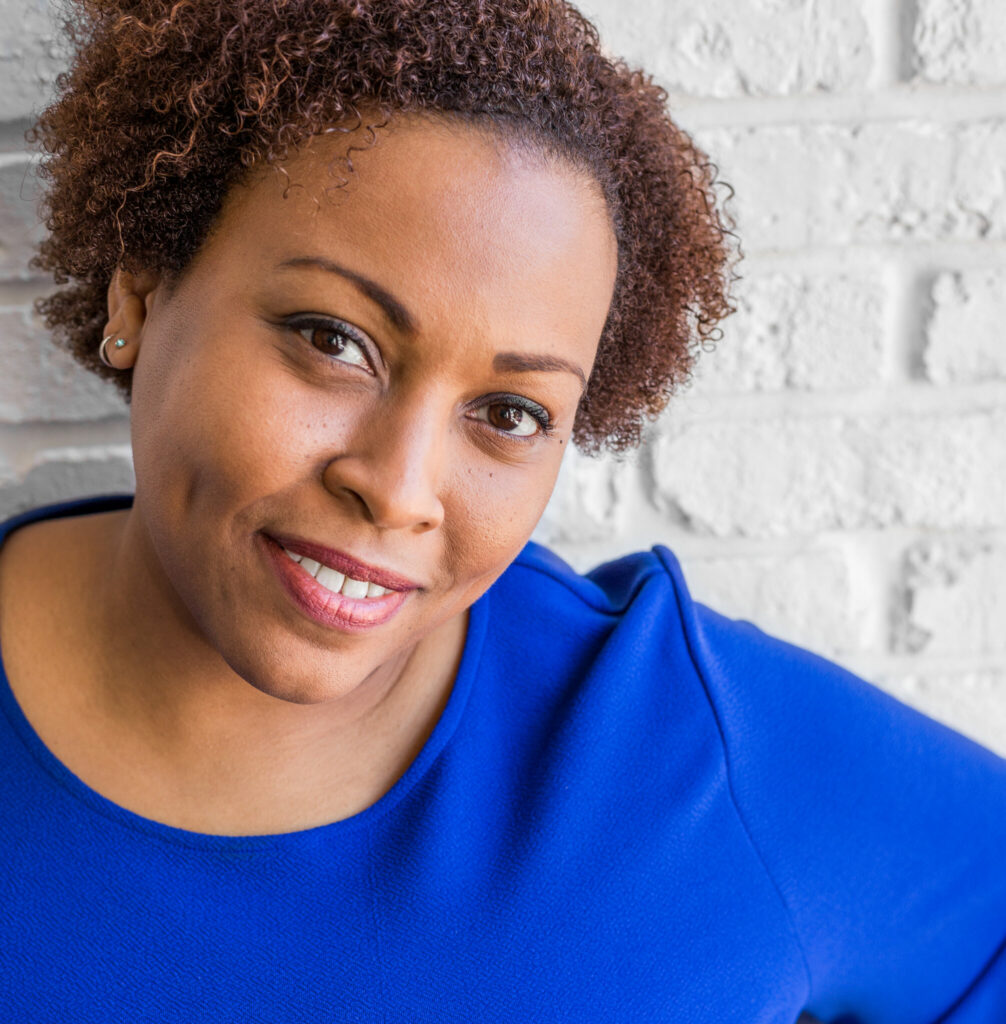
[384,376]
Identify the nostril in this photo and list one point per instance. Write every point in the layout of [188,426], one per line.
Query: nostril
[384,495]
[360,502]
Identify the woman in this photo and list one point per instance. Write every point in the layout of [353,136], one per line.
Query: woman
[306,730]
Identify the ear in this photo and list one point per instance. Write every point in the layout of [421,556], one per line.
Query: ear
[130,297]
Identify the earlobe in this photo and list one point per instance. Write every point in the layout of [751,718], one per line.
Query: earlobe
[128,295]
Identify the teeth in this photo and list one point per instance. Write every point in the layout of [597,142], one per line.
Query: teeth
[310,565]
[330,579]
[335,581]
[354,588]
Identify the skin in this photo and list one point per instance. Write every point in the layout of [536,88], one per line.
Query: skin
[186,657]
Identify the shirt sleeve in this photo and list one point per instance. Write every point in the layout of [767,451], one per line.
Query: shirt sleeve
[883,830]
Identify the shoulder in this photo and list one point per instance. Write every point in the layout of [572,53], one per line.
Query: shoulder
[775,704]
[55,516]
[628,627]
[52,541]
[642,596]
[47,560]
[872,821]
[540,595]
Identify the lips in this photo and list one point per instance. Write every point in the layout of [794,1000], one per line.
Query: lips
[337,611]
[345,564]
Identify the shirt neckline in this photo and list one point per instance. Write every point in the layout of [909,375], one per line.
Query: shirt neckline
[69,782]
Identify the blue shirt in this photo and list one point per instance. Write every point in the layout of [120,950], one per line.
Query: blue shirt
[631,810]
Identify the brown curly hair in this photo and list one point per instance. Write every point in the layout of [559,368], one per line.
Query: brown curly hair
[167,104]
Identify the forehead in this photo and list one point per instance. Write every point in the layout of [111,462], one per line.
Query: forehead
[449,217]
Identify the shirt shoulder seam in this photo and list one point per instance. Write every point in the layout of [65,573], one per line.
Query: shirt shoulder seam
[700,672]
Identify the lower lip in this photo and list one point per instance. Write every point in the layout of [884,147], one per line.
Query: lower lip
[337,611]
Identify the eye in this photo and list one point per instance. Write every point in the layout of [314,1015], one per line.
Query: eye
[335,339]
[515,416]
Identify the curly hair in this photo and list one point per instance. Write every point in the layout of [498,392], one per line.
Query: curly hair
[166,105]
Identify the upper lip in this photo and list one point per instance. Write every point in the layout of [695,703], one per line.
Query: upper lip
[345,564]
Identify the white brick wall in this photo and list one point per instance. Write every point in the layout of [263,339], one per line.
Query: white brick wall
[962,42]
[742,47]
[965,340]
[837,470]
[823,331]
[29,57]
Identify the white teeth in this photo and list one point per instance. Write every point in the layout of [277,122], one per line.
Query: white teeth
[310,565]
[333,580]
[354,588]
[330,579]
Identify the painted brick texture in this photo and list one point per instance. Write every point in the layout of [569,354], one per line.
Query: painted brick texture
[789,477]
[29,55]
[965,339]
[960,41]
[836,471]
[42,382]
[723,48]
[828,185]
[805,332]
[20,229]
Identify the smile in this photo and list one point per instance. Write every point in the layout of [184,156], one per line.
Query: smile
[334,598]
[335,581]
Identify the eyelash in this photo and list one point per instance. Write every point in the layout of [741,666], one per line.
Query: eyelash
[533,409]
[340,328]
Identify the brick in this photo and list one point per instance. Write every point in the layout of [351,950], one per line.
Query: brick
[833,185]
[12,141]
[792,477]
[804,332]
[806,597]
[8,474]
[973,703]
[61,474]
[955,598]
[966,330]
[42,382]
[29,56]
[960,42]
[20,228]
[722,48]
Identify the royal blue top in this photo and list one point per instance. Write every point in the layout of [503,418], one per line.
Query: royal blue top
[632,809]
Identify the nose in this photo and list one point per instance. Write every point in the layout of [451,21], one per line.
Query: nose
[392,466]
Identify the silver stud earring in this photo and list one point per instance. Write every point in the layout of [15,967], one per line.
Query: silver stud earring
[103,354]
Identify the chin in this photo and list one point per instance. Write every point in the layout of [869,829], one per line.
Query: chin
[301,692]
[293,687]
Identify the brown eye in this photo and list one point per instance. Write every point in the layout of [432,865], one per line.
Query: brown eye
[511,419]
[339,344]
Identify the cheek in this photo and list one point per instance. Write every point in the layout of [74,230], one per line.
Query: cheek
[492,515]
[216,423]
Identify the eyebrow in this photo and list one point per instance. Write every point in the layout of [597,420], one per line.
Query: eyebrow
[520,362]
[399,316]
